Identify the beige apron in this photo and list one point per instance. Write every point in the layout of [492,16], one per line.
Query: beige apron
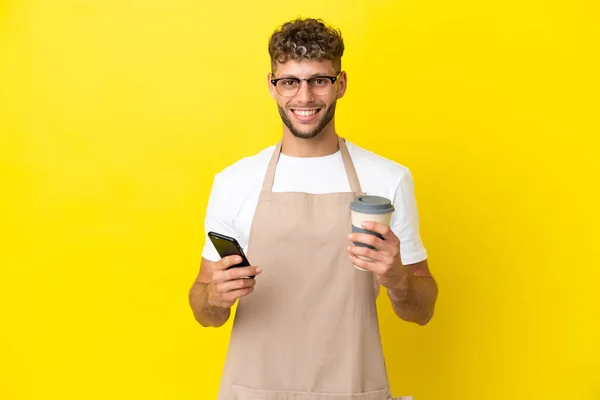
[310,330]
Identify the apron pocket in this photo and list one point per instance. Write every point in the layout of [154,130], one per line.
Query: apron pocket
[244,393]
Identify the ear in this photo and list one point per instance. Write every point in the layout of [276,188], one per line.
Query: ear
[342,84]
[271,86]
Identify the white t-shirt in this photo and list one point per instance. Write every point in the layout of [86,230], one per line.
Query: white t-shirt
[234,195]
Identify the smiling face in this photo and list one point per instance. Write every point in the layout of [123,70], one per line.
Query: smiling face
[307,114]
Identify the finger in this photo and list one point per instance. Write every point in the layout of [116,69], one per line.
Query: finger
[230,286]
[375,267]
[236,294]
[382,229]
[367,238]
[364,264]
[220,276]
[241,272]
[389,247]
[366,252]
[227,262]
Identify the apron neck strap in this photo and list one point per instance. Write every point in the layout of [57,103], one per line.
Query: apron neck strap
[348,165]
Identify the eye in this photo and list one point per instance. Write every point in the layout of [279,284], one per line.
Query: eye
[319,82]
[287,82]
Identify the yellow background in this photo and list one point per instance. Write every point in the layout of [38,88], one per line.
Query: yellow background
[115,115]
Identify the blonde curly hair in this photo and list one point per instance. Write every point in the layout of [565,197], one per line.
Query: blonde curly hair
[306,39]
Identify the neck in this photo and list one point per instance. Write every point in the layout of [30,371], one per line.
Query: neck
[324,144]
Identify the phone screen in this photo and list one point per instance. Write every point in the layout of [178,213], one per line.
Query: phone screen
[227,246]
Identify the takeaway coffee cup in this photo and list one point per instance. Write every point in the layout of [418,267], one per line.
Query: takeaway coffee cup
[369,208]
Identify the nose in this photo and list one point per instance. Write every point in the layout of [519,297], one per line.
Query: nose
[304,94]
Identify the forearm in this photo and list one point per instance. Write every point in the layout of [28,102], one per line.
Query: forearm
[416,303]
[204,313]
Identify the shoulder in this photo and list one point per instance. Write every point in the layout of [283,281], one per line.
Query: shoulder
[370,165]
[247,171]
[235,186]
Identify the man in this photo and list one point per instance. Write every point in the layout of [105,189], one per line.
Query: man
[306,326]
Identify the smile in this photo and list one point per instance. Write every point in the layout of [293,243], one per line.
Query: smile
[305,115]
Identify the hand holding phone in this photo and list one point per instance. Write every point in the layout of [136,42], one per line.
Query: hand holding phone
[227,246]
[231,279]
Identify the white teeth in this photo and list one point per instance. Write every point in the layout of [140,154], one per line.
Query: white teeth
[304,113]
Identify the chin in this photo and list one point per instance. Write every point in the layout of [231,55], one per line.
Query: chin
[305,135]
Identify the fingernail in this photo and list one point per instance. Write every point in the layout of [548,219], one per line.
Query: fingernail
[237,259]
[348,248]
[258,270]
[350,236]
[365,224]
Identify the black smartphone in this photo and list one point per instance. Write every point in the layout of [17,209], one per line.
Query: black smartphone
[227,246]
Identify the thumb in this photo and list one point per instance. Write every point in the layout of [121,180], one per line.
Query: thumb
[228,261]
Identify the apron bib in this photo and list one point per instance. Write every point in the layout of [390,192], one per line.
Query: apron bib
[310,330]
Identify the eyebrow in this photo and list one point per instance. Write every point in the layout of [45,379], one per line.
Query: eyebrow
[310,76]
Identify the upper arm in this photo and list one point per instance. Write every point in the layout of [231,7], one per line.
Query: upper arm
[405,223]
[220,215]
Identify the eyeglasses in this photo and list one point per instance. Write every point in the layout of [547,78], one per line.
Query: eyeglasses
[318,85]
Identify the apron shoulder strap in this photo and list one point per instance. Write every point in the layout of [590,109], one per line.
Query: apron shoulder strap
[349,166]
[270,175]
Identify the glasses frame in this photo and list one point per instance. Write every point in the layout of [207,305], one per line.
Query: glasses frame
[333,80]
